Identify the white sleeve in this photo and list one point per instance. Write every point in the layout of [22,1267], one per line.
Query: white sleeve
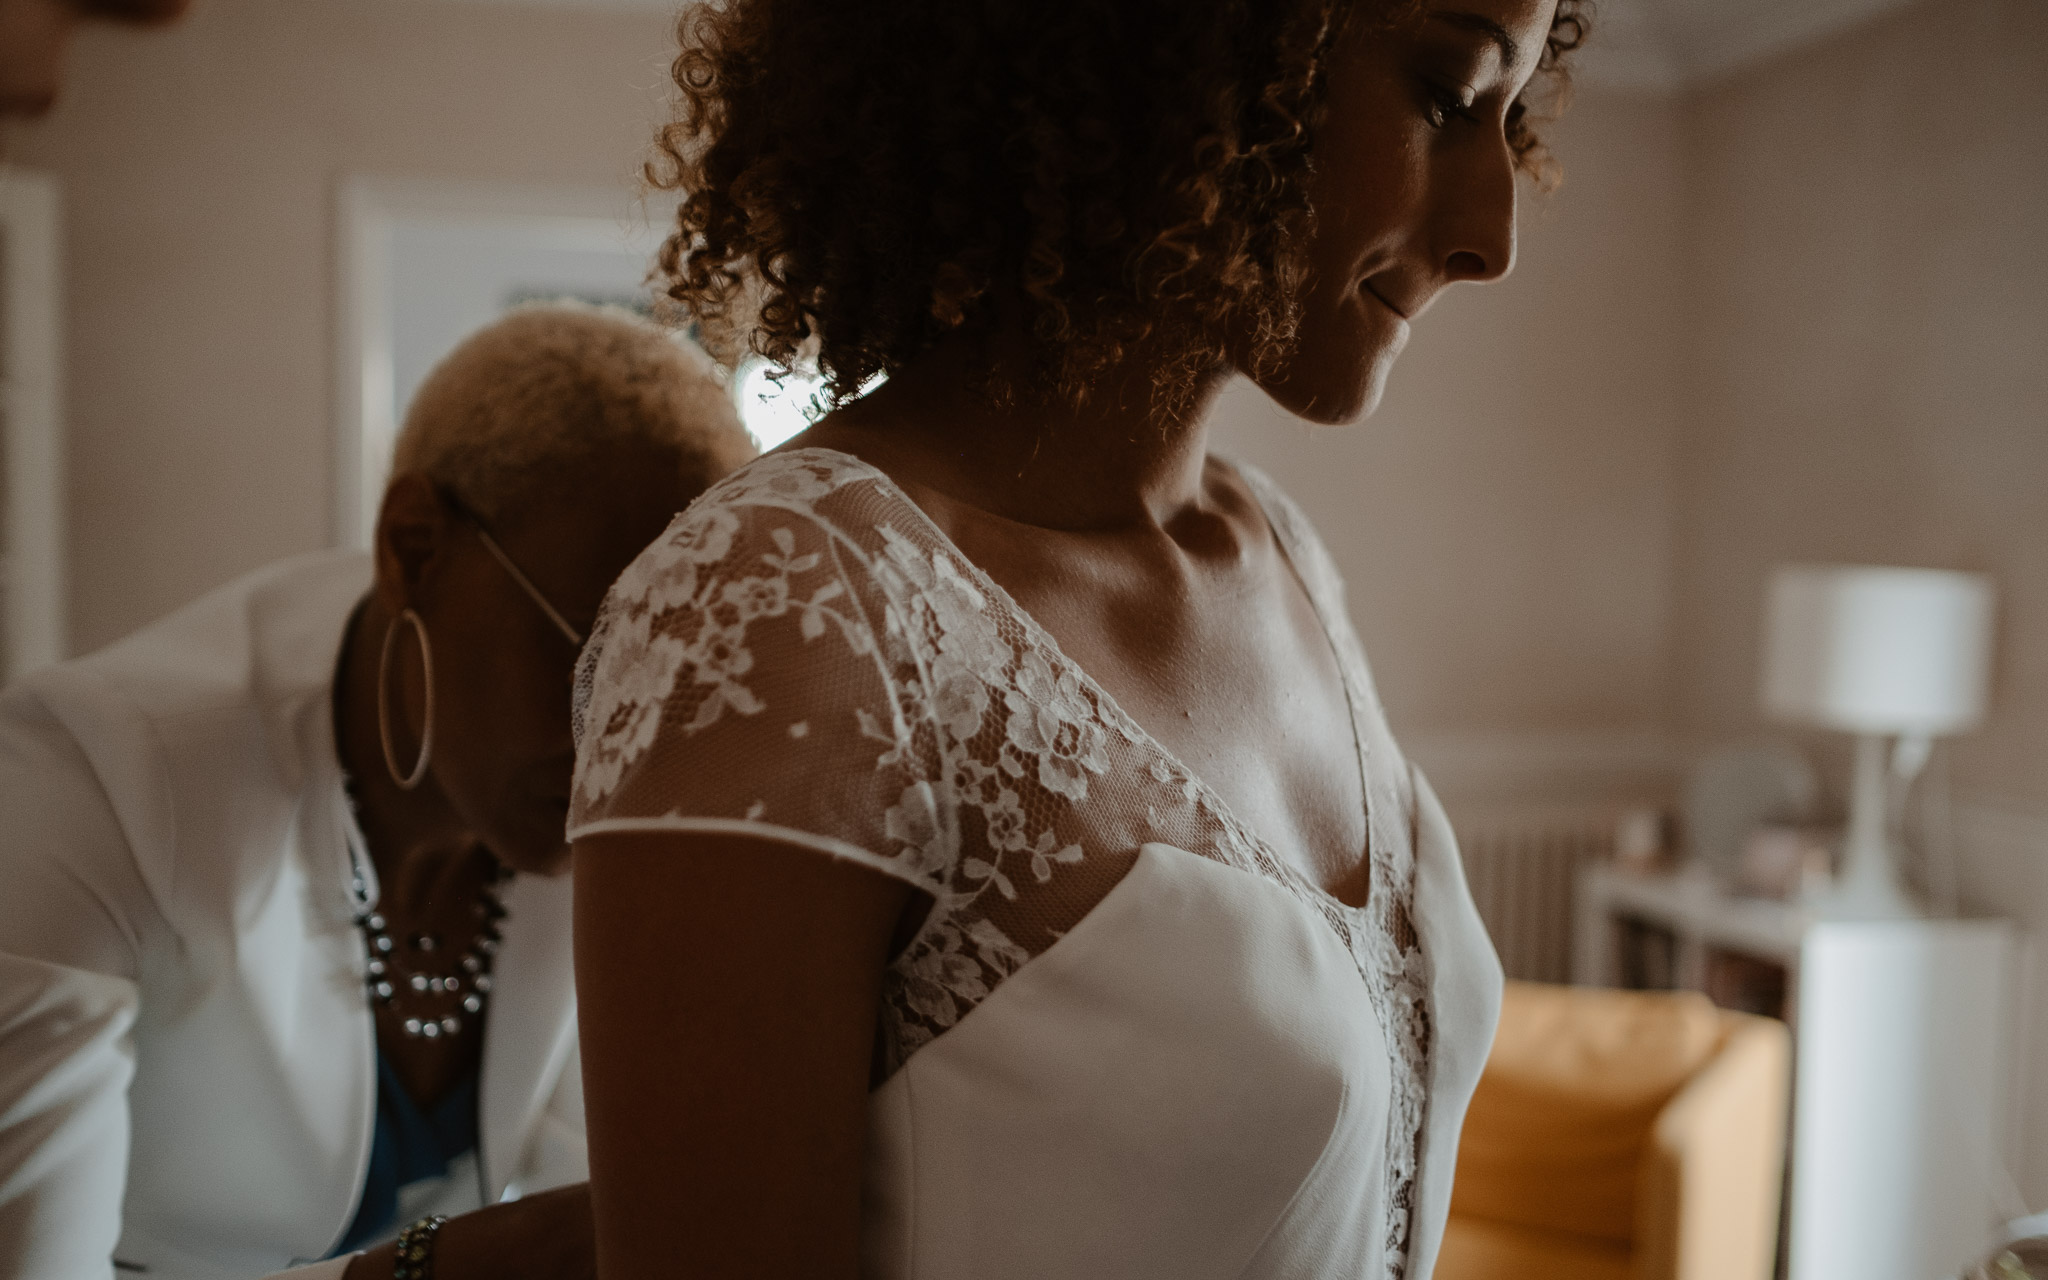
[68,1003]
[330,1269]
[66,1056]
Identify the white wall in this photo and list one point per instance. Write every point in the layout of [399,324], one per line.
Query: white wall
[201,166]
[1866,325]
[1505,520]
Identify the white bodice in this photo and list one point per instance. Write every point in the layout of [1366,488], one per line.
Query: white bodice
[1178,1088]
[805,655]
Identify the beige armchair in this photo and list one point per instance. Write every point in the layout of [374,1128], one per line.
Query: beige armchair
[1621,1135]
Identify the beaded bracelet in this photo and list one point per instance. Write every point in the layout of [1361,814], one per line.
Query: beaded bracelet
[416,1249]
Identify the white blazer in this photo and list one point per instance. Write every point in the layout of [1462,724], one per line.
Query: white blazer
[187,1062]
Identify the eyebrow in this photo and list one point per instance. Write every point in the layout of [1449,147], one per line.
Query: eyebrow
[1480,24]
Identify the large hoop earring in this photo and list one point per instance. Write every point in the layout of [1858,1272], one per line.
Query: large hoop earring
[406,781]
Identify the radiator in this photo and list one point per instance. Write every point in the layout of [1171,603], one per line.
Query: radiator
[1521,867]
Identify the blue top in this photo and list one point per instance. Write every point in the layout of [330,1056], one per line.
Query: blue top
[411,1145]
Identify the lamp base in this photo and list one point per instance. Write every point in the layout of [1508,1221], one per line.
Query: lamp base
[1868,886]
[1865,899]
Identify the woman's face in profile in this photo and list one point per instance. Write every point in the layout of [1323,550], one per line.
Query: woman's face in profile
[503,753]
[1413,189]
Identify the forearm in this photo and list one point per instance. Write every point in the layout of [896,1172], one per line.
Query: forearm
[543,1237]
[66,1058]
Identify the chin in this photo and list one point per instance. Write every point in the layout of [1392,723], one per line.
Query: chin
[1333,405]
[1335,389]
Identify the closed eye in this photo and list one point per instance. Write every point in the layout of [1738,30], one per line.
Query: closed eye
[1442,105]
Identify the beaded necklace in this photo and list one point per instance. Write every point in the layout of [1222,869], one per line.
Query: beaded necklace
[436,1002]
[408,984]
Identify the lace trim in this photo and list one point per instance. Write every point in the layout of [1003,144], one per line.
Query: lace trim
[1003,779]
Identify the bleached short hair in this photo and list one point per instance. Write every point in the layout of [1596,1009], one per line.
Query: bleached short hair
[555,384]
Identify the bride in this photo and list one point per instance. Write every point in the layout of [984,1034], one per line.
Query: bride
[991,857]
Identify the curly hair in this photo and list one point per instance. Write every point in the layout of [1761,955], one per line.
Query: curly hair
[859,180]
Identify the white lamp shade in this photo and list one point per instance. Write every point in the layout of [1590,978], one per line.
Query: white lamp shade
[1871,650]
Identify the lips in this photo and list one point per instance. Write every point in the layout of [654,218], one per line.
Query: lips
[1403,312]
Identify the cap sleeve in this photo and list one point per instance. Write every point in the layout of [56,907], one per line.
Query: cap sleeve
[740,679]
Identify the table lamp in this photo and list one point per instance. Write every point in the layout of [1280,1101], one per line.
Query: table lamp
[1880,653]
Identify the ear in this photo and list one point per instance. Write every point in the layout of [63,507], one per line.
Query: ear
[414,527]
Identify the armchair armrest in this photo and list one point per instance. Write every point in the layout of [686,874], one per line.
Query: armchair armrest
[1708,1189]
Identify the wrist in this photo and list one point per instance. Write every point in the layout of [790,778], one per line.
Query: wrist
[416,1248]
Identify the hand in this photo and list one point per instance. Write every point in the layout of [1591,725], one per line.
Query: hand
[546,1236]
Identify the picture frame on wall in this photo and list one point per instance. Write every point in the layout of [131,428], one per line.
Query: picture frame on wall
[424,263]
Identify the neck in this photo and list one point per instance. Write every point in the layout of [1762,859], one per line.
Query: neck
[416,840]
[1117,459]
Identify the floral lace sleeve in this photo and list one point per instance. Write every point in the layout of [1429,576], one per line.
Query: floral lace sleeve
[736,681]
[804,655]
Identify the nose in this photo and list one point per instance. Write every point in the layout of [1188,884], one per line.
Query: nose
[1478,223]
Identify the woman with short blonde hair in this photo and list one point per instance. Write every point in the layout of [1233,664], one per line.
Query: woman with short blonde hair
[284,951]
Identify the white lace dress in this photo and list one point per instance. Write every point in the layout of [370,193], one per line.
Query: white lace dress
[1128,1039]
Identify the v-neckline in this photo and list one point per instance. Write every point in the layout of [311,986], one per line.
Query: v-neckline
[1107,703]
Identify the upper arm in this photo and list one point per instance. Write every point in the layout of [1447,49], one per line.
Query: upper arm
[753,810]
[728,989]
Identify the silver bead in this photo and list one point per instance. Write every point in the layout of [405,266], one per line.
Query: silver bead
[425,941]
[418,982]
[451,1025]
[471,1004]
[470,964]
[431,1030]
[382,944]
[382,990]
[482,983]
[376,968]
[374,923]
[413,1027]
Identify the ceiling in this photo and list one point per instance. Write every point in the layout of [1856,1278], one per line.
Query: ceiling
[1663,45]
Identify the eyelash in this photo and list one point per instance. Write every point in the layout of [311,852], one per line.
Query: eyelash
[1444,105]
